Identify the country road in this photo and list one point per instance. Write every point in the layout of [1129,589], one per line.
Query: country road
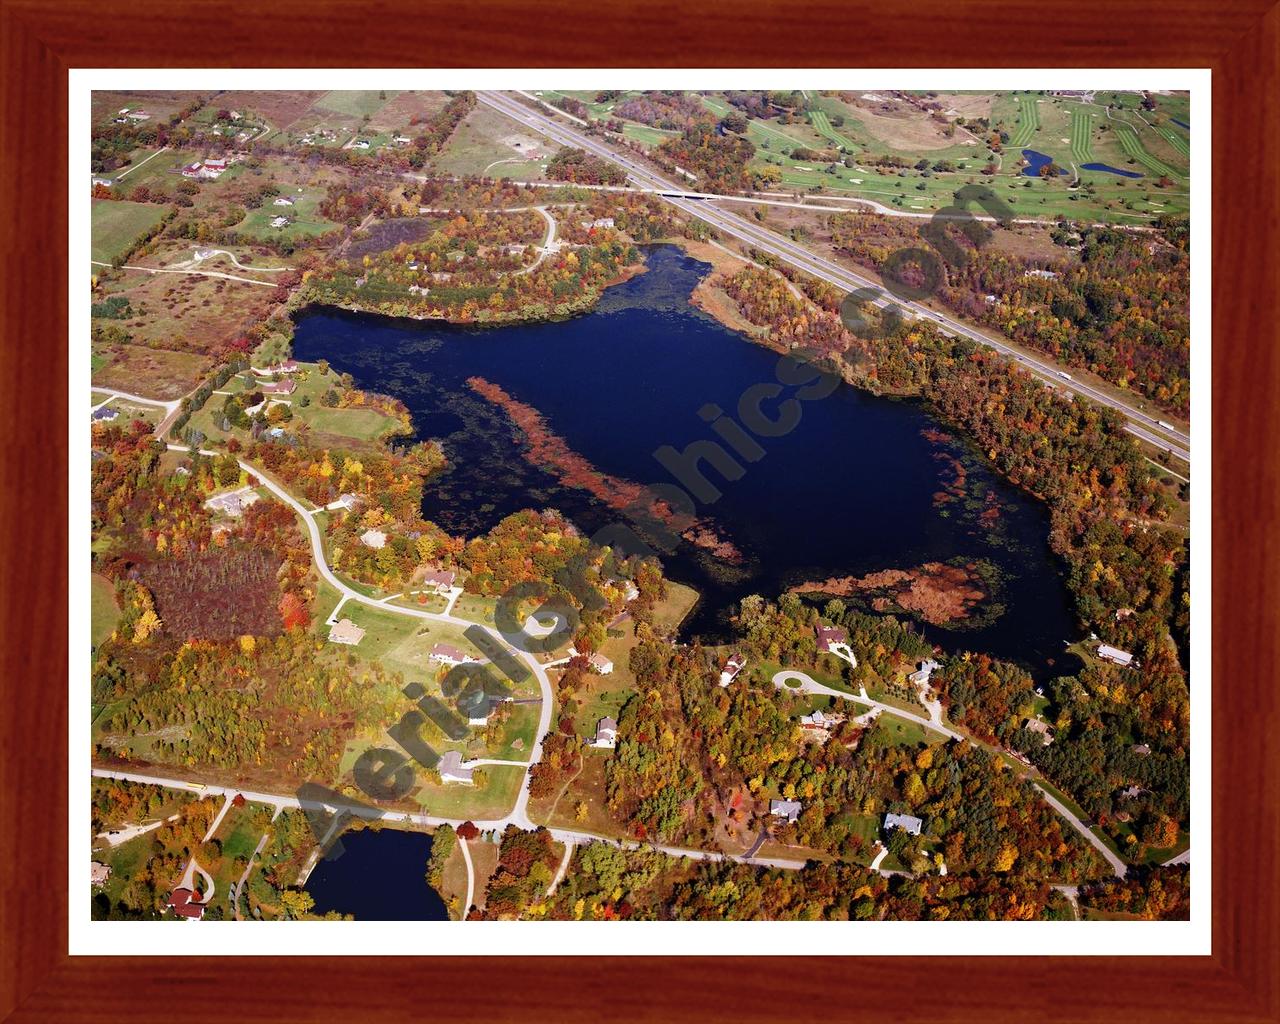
[1139,423]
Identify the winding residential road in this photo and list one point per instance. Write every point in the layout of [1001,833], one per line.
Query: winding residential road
[1139,423]
[810,685]
[197,273]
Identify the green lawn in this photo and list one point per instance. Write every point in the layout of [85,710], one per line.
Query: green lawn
[362,424]
[1028,121]
[355,102]
[103,610]
[893,731]
[461,801]
[305,219]
[115,226]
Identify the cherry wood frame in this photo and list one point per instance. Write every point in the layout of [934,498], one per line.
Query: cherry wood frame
[39,41]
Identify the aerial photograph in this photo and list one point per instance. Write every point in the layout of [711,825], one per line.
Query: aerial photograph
[638,505]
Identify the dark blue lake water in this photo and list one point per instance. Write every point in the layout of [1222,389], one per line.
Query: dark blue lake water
[381,876]
[1110,170]
[855,488]
[1034,162]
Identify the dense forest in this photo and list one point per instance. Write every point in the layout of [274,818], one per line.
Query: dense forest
[1115,302]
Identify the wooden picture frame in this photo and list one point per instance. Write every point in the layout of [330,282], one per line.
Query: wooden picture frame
[40,41]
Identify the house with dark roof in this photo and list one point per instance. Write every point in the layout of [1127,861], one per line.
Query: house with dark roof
[183,902]
[606,734]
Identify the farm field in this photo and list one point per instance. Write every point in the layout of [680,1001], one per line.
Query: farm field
[104,612]
[115,226]
[156,373]
[482,144]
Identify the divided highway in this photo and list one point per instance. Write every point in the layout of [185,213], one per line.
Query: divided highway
[1140,424]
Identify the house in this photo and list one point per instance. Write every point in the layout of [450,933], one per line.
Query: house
[232,503]
[907,822]
[279,387]
[927,668]
[600,222]
[213,168]
[282,201]
[606,734]
[829,635]
[138,115]
[191,170]
[343,501]
[732,667]
[439,580]
[375,539]
[1114,655]
[820,720]
[451,769]
[401,140]
[1042,728]
[99,873]
[447,654]
[184,905]
[288,366]
[600,663]
[1047,275]
[1141,749]
[237,800]
[344,631]
[479,716]
[360,144]
[108,182]
[105,414]
[787,810]
[279,222]
[630,591]
[275,433]
[1132,792]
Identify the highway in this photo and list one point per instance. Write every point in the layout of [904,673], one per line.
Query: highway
[1140,424]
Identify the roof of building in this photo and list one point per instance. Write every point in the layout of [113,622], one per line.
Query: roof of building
[451,768]
[105,413]
[447,652]
[599,662]
[440,577]
[99,872]
[1114,654]
[606,725]
[373,539]
[906,822]
[1035,725]
[789,809]
[828,635]
[183,902]
[344,631]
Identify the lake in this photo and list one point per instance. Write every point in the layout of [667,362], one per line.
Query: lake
[381,876]
[1034,162]
[862,484]
[1110,170]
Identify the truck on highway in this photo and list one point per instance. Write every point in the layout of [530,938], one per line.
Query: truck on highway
[1167,426]
[1064,375]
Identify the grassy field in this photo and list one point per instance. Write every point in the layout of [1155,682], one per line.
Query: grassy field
[155,373]
[1028,121]
[460,801]
[304,217]
[355,102]
[115,226]
[104,613]
[476,147]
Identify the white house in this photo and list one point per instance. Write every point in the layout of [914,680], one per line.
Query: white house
[1042,729]
[99,873]
[606,734]
[283,201]
[787,810]
[279,222]
[343,501]
[451,769]
[447,654]
[1115,655]
[906,822]
[927,668]
[731,668]
[375,539]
